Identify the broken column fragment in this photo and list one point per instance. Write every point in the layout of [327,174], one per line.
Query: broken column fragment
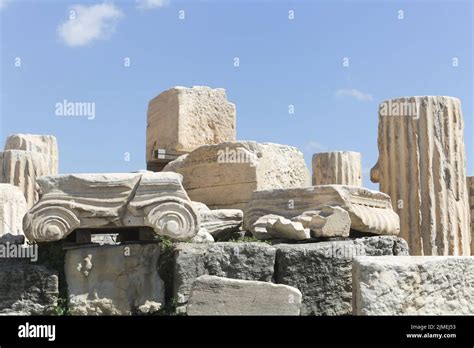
[12,210]
[470,184]
[287,229]
[337,168]
[422,166]
[327,222]
[220,223]
[25,158]
[225,175]
[45,144]
[181,119]
[369,211]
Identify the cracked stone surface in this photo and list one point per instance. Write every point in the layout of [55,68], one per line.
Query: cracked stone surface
[247,261]
[369,211]
[12,210]
[223,176]
[114,280]
[25,158]
[413,285]
[323,271]
[182,119]
[27,288]
[211,295]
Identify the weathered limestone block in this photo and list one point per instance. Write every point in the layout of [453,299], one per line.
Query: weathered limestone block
[259,227]
[413,285]
[45,144]
[470,183]
[287,229]
[211,295]
[220,223]
[322,271]
[337,168]
[203,236]
[225,175]
[247,261]
[114,280]
[283,228]
[22,169]
[422,166]
[327,222]
[369,211]
[144,199]
[26,288]
[181,119]
[12,209]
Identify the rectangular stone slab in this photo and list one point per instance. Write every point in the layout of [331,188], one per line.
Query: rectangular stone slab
[182,119]
[211,295]
[413,285]
[226,174]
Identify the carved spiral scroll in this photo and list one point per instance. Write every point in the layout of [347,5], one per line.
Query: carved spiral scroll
[50,224]
[175,220]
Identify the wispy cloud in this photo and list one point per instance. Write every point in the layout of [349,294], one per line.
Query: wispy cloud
[354,93]
[3,4]
[150,4]
[89,23]
[315,147]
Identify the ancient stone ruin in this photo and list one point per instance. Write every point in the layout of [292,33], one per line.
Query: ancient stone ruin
[222,226]
[25,158]
[470,183]
[422,166]
[338,168]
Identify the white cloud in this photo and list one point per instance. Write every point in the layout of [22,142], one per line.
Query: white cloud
[89,23]
[3,4]
[354,93]
[315,147]
[150,4]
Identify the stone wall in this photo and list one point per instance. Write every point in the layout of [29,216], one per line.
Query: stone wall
[27,288]
[414,285]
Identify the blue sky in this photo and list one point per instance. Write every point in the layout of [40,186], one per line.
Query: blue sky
[282,62]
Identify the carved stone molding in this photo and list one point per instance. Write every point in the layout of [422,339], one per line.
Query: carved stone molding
[68,202]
